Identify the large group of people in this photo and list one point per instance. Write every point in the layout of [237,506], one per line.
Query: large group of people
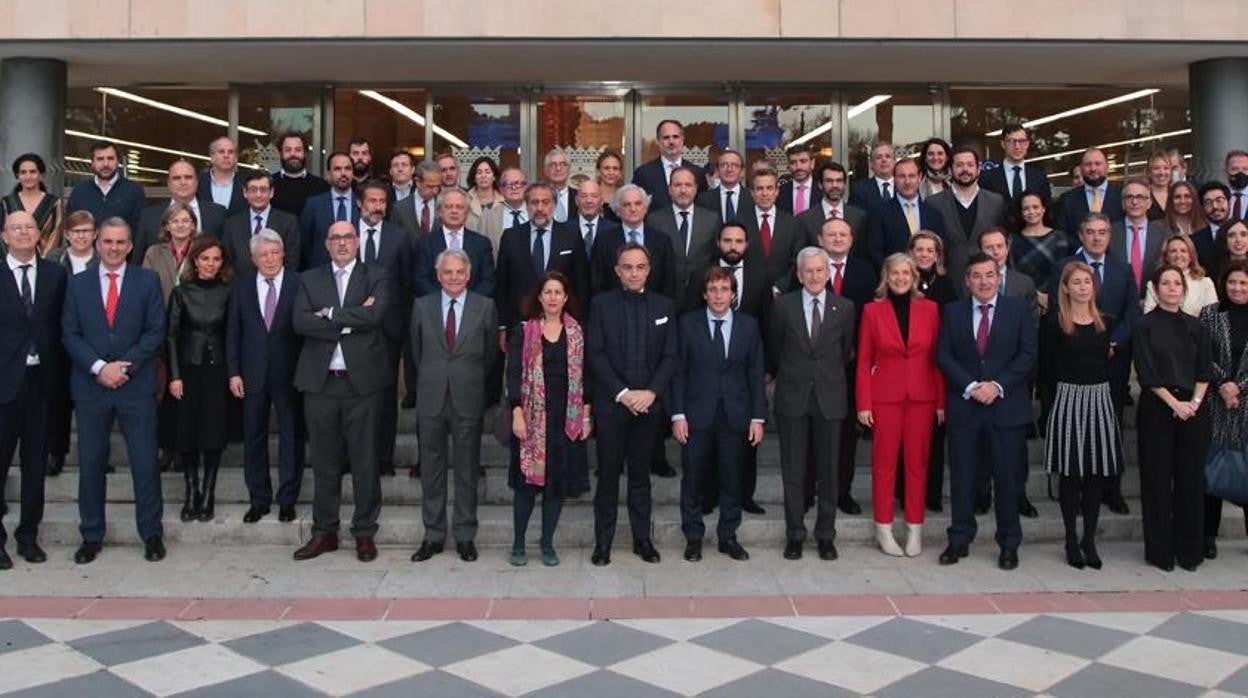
[928,302]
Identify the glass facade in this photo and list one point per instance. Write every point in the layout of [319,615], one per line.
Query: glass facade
[583,127]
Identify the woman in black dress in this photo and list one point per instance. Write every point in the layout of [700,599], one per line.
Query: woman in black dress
[550,403]
[928,252]
[1084,444]
[197,371]
[1172,360]
[31,194]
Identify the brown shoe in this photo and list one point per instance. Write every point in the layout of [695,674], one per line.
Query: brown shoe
[365,549]
[320,543]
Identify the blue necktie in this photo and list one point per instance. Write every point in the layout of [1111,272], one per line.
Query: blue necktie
[341,213]
[539,253]
[730,211]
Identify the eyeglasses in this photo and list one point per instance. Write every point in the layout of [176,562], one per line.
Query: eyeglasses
[1213,200]
[1017,141]
[341,238]
[19,227]
[1135,197]
[514,184]
[729,166]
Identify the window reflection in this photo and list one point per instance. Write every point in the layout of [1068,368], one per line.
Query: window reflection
[473,126]
[583,127]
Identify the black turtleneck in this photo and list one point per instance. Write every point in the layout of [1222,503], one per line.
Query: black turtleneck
[636,333]
[901,307]
[1237,314]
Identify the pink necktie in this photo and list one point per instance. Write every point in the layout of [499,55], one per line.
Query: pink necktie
[1137,256]
[799,206]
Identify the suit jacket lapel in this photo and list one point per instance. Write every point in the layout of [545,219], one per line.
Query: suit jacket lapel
[11,289]
[734,340]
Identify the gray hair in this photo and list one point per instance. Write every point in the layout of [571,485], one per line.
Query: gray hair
[1091,217]
[212,147]
[449,192]
[808,252]
[550,155]
[626,190]
[266,236]
[452,254]
[425,167]
[119,222]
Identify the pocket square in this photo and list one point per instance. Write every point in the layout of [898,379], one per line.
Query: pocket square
[562,253]
[661,321]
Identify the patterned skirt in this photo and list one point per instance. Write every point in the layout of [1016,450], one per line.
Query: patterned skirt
[1083,435]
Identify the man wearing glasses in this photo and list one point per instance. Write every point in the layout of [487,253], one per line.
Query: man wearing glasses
[1014,176]
[557,171]
[258,215]
[1135,239]
[1215,199]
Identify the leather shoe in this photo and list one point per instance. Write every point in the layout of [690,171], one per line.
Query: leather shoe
[793,550]
[827,550]
[414,471]
[6,562]
[426,551]
[1008,559]
[1026,508]
[601,556]
[644,549]
[255,513]
[286,514]
[86,553]
[467,551]
[55,465]
[154,549]
[32,553]
[365,549]
[952,554]
[847,504]
[387,469]
[662,469]
[320,544]
[1211,548]
[693,551]
[733,549]
[1116,504]
[752,507]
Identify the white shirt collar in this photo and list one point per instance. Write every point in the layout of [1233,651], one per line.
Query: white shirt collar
[15,263]
[104,272]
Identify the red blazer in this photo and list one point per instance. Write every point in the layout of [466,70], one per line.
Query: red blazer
[890,371]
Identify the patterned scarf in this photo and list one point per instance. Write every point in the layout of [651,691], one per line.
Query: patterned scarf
[533,395]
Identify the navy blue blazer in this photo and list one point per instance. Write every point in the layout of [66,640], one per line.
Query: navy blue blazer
[314,222]
[565,254]
[1117,296]
[994,180]
[137,336]
[704,377]
[42,327]
[125,199]
[1073,206]
[865,194]
[605,347]
[1009,359]
[1205,251]
[813,196]
[479,250]
[888,231]
[651,177]
[264,358]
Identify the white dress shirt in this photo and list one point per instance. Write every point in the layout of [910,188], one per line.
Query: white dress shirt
[1008,168]
[263,215]
[262,286]
[338,362]
[15,266]
[808,304]
[78,264]
[723,199]
[676,211]
[460,301]
[221,193]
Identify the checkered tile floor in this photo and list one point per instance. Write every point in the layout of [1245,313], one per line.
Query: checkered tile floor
[1133,655]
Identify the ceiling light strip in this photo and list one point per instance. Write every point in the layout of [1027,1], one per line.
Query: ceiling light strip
[1084,109]
[173,109]
[419,119]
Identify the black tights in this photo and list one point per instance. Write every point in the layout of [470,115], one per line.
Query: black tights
[522,509]
[1081,495]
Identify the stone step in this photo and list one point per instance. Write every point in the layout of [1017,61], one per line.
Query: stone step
[401,525]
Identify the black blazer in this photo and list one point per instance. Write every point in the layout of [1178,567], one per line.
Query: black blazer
[651,177]
[713,200]
[604,347]
[704,377]
[1009,360]
[1205,250]
[865,193]
[236,235]
[1116,296]
[787,239]
[480,252]
[364,349]
[41,328]
[813,196]
[858,282]
[394,254]
[995,180]
[662,277]
[237,202]
[812,221]
[888,231]
[264,358]
[516,278]
[318,214]
[704,231]
[148,233]
[1073,206]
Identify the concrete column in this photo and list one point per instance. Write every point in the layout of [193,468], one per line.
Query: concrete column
[1219,101]
[32,116]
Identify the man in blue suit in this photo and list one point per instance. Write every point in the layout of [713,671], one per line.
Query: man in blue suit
[986,350]
[114,328]
[1096,195]
[893,222]
[879,187]
[653,176]
[32,294]
[719,406]
[261,352]
[325,209]
[452,214]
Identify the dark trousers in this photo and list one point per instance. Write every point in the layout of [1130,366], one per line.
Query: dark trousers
[624,438]
[800,435]
[1213,515]
[388,419]
[137,416]
[936,465]
[60,408]
[1005,446]
[723,447]
[850,431]
[338,418]
[24,419]
[1172,481]
[290,436]
[522,508]
[1119,389]
[451,442]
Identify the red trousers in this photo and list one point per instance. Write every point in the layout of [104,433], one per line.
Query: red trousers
[906,426]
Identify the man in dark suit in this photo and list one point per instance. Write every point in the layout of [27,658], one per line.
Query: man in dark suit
[294,184]
[692,229]
[868,193]
[1013,175]
[402,168]
[631,352]
[892,222]
[1096,195]
[455,348]
[1235,165]
[557,169]
[730,197]
[631,204]
[801,193]
[529,250]
[418,213]
[719,406]
[114,330]
[775,236]
[831,178]
[223,183]
[183,188]
[32,296]
[257,215]
[1215,200]
[987,349]
[1135,240]
[590,221]
[343,372]
[108,193]
[966,209]
[261,352]
[851,278]
[450,232]
[653,175]
[332,206]
[811,341]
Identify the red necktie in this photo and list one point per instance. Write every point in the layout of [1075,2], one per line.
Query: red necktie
[764,231]
[424,217]
[981,334]
[450,326]
[837,279]
[110,303]
[1137,256]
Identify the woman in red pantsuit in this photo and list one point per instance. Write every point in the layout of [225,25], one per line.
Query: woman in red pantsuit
[899,390]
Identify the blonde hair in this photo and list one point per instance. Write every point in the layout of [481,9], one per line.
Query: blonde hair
[894,260]
[1065,308]
[1194,269]
[939,266]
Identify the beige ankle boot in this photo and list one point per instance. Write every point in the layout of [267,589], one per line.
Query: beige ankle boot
[914,539]
[888,544]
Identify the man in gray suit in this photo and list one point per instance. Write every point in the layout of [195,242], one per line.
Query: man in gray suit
[342,373]
[811,337]
[692,229]
[418,213]
[833,181]
[967,210]
[454,347]
[1141,256]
